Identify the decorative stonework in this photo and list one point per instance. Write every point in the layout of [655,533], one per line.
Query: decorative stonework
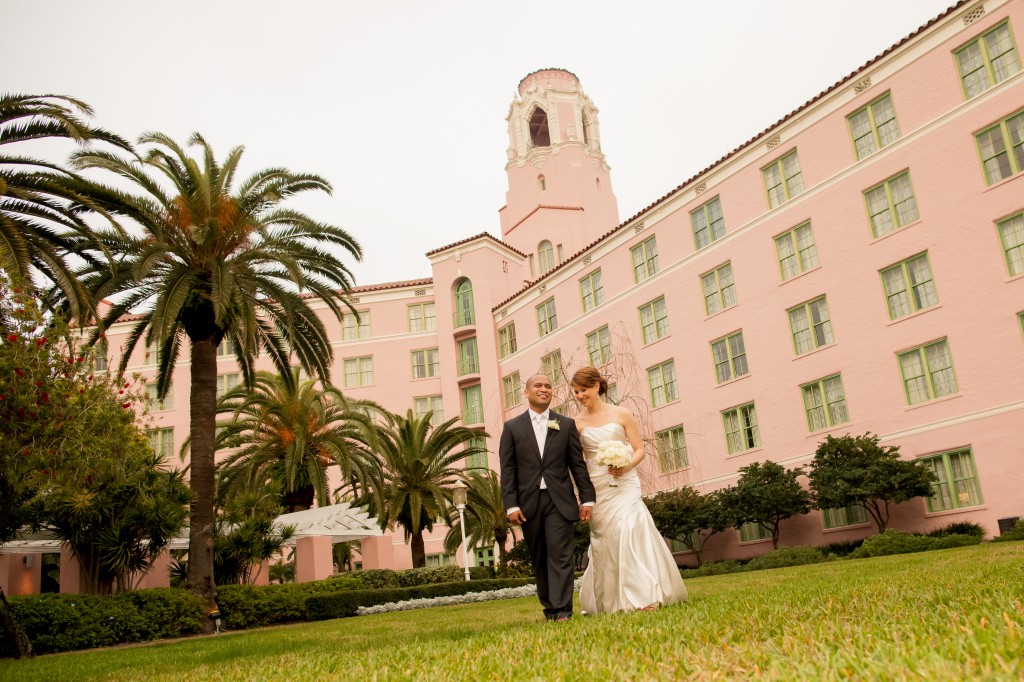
[975,14]
[773,142]
[700,189]
[353,299]
[542,288]
[638,228]
[586,260]
[862,85]
[504,313]
[421,292]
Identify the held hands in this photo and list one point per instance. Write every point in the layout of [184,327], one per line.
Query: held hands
[585,513]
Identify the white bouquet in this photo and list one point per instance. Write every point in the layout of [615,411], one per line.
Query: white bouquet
[613,453]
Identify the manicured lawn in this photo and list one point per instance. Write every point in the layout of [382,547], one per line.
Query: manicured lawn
[946,615]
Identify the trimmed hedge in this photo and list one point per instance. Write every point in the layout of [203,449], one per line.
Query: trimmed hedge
[1015,533]
[380,578]
[900,542]
[253,606]
[786,556]
[713,568]
[66,622]
[959,528]
[345,604]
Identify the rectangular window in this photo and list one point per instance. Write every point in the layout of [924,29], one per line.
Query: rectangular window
[484,556]
[797,251]
[592,291]
[162,441]
[353,329]
[99,356]
[854,515]
[730,357]
[421,317]
[928,372]
[653,320]
[909,287]
[551,367]
[989,59]
[719,289]
[662,380]
[645,259]
[547,319]
[782,179]
[874,126]
[811,326]
[469,359]
[507,340]
[226,382]
[825,403]
[167,403]
[358,372]
[753,531]
[1002,148]
[613,390]
[431,403]
[472,406]
[891,205]
[152,356]
[741,429]
[513,390]
[671,445]
[708,223]
[957,484]
[478,460]
[439,560]
[1011,235]
[425,363]
[227,348]
[599,346]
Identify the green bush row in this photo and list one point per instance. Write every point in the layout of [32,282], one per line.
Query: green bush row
[1015,533]
[66,622]
[344,604]
[900,542]
[380,578]
[253,606]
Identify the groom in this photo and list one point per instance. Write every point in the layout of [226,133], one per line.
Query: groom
[539,450]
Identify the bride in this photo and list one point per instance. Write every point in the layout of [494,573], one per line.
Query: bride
[630,565]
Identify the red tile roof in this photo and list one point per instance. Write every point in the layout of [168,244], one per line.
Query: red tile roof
[474,237]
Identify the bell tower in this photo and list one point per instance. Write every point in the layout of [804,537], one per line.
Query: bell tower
[559,196]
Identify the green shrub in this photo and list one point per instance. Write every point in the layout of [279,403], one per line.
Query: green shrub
[713,568]
[786,556]
[899,542]
[841,549]
[381,578]
[253,606]
[959,528]
[1015,533]
[67,622]
[344,604]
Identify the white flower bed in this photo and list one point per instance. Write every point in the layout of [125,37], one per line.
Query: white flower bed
[505,593]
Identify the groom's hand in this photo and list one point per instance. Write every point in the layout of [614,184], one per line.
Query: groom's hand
[585,512]
[516,517]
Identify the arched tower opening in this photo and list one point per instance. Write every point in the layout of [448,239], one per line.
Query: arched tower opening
[539,134]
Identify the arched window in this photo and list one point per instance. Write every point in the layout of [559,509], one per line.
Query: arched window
[546,257]
[586,129]
[542,183]
[464,304]
[539,128]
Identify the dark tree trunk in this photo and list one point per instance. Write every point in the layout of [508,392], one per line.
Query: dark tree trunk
[201,477]
[22,645]
[299,500]
[419,556]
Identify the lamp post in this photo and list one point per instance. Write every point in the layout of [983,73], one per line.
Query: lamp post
[459,495]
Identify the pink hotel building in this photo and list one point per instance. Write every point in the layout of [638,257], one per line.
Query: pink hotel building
[856,267]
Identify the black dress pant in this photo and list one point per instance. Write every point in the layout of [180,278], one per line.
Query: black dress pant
[549,536]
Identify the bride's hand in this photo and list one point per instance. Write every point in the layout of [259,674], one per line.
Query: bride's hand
[618,471]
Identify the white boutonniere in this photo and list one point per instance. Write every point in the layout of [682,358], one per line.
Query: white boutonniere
[553,424]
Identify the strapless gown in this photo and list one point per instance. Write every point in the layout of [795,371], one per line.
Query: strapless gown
[630,564]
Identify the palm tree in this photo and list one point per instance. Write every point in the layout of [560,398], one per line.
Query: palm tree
[486,521]
[417,468]
[291,432]
[210,261]
[40,201]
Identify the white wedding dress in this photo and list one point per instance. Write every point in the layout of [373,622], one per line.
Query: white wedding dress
[630,565]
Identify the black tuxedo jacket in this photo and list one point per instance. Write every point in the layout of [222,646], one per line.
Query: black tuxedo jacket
[522,466]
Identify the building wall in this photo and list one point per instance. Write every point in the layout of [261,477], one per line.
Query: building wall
[977,313]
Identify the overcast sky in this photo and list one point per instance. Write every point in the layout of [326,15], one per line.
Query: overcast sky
[401,104]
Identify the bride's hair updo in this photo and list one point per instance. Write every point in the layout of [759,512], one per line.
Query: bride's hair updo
[587,377]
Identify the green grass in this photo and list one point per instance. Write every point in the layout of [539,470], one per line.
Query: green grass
[946,615]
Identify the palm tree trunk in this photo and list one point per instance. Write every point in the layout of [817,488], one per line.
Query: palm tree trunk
[201,480]
[419,556]
[22,644]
